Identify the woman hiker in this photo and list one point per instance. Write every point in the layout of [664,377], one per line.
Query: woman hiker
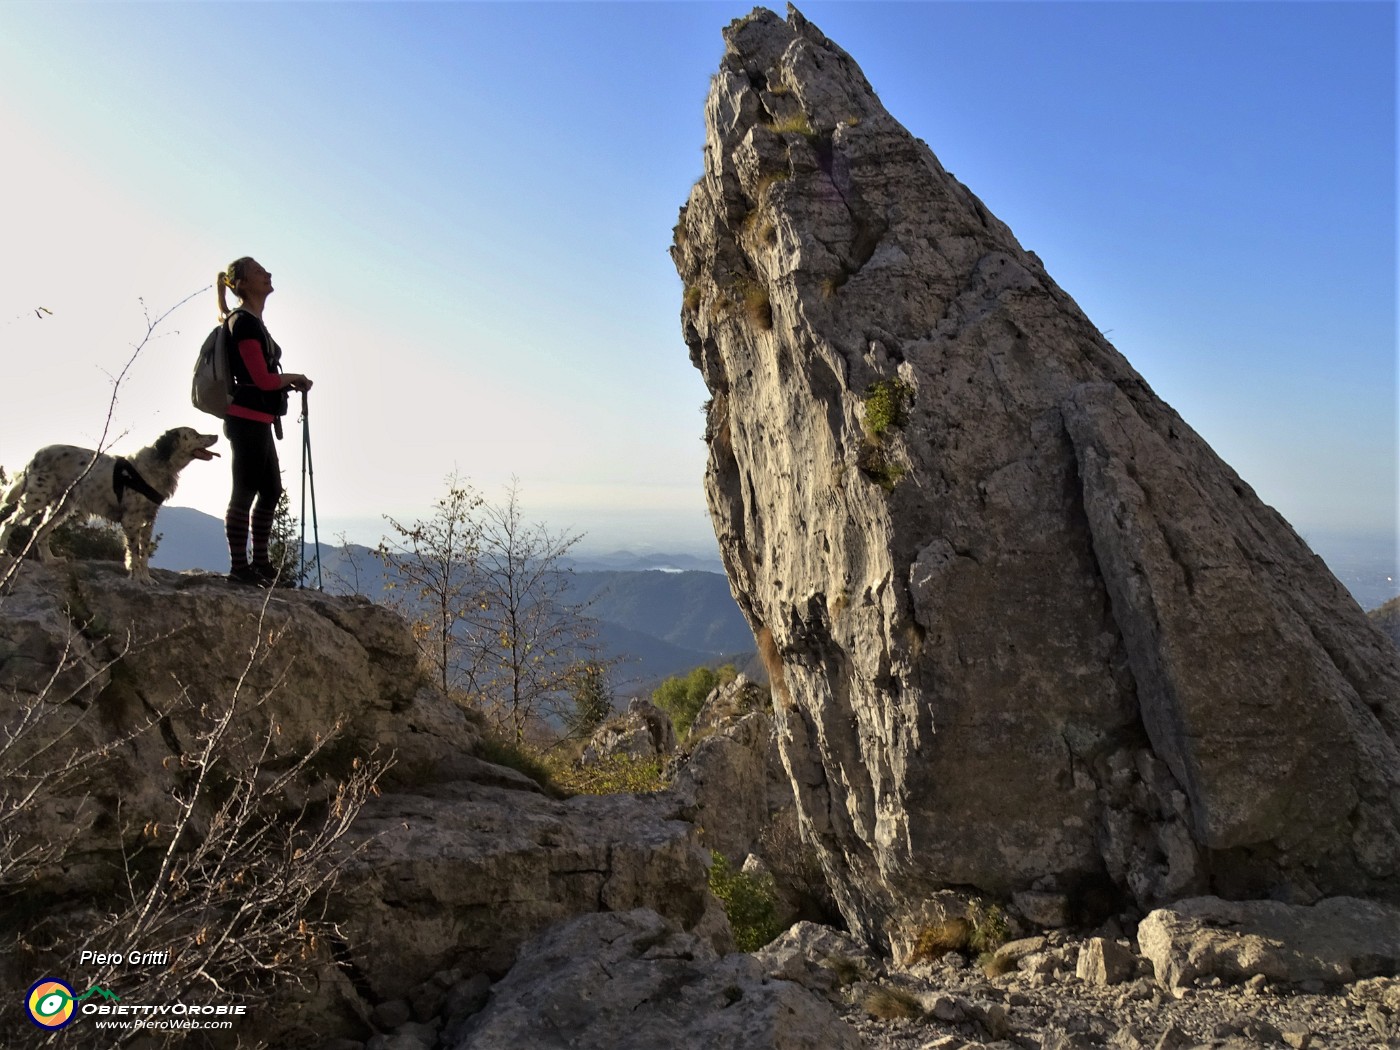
[259,399]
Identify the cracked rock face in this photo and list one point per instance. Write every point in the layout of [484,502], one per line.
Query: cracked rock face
[1026,630]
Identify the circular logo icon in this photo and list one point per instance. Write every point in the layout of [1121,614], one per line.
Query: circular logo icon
[50,1003]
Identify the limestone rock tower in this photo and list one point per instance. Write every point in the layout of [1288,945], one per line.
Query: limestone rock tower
[1027,630]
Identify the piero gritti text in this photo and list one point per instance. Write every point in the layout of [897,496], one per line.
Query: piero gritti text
[131,958]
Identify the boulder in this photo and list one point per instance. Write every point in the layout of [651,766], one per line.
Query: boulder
[1047,910]
[1335,941]
[462,875]
[732,787]
[1023,627]
[633,981]
[1105,962]
[819,958]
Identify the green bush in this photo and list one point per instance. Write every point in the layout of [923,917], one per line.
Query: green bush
[886,408]
[750,901]
[681,696]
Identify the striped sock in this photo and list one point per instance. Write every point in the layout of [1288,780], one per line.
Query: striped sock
[262,532]
[236,530]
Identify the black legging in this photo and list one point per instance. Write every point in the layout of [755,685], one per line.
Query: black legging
[256,474]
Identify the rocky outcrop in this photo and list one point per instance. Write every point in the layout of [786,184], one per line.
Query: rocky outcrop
[727,704]
[733,786]
[1025,630]
[453,865]
[632,981]
[142,674]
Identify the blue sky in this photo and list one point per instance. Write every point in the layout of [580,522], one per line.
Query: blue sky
[466,209]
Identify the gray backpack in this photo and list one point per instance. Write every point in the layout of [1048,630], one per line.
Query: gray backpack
[212,388]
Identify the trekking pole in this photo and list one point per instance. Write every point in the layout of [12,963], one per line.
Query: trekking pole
[308,480]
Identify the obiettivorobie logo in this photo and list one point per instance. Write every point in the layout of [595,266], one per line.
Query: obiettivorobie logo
[52,1004]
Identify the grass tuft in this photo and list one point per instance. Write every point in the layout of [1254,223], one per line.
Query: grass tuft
[797,124]
[520,758]
[768,180]
[940,938]
[845,969]
[754,299]
[994,965]
[892,1004]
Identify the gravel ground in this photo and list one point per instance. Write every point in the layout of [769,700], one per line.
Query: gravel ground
[956,1006]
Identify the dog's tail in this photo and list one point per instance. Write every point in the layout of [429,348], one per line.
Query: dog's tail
[12,497]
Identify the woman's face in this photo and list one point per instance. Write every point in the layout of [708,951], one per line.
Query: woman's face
[255,282]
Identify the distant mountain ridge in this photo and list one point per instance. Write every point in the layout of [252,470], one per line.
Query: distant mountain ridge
[678,607]
[659,614]
[189,539]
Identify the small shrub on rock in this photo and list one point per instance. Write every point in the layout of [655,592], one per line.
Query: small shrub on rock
[990,929]
[887,406]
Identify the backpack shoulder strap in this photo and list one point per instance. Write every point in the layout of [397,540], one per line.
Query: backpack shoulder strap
[228,326]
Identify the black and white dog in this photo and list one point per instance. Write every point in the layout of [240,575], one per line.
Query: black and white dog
[64,481]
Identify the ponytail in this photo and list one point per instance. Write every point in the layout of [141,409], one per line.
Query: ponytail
[220,283]
[229,278]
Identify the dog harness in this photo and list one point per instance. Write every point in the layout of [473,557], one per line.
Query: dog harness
[125,476]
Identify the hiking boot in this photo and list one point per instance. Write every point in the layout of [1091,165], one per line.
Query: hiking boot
[248,575]
[270,577]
